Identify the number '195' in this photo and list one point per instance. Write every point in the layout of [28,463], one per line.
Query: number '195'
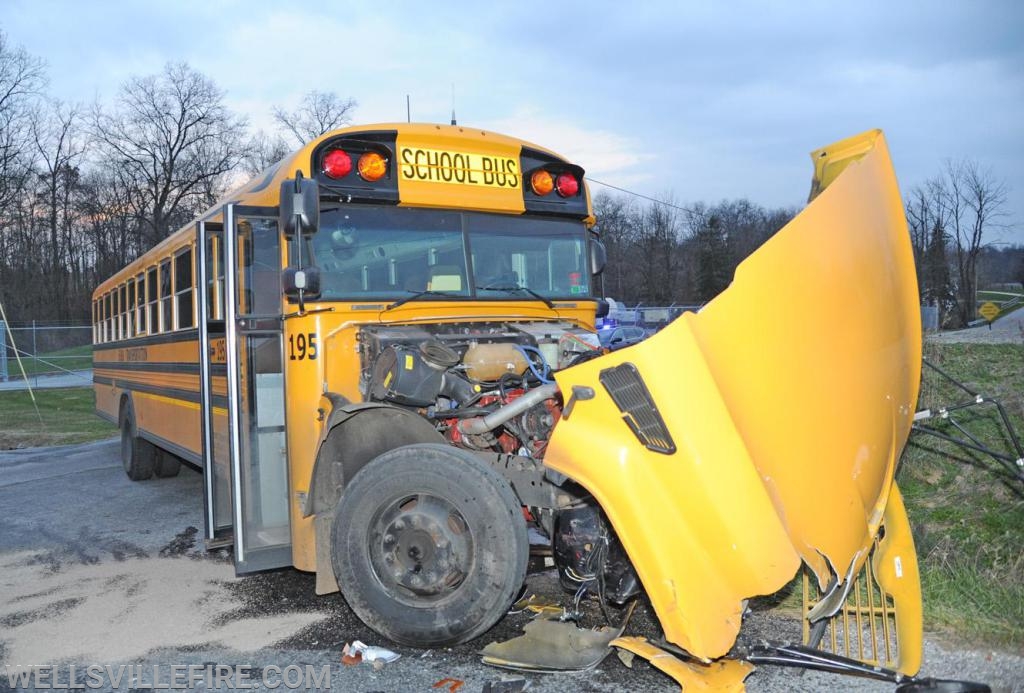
[302,346]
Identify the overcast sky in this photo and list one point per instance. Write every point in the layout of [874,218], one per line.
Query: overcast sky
[700,101]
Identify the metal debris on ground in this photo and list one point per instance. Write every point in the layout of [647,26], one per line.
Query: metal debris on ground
[550,645]
[506,686]
[453,685]
[537,605]
[726,675]
[355,652]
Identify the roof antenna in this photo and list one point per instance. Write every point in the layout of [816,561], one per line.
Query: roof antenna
[453,104]
[408,110]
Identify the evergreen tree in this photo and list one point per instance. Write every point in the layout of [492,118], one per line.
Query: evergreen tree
[714,266]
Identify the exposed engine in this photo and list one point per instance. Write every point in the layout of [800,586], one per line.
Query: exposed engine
[489,388]
[466,377]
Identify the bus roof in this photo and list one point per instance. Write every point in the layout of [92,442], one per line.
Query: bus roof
[264,188]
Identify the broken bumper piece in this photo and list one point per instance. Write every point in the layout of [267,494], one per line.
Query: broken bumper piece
[724,675]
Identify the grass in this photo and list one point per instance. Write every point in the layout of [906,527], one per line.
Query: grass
[966,511]
[68,416]
[72,359]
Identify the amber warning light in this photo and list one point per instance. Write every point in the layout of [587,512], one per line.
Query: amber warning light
[372,166]
[541,182]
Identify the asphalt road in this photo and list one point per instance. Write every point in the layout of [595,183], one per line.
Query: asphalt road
[95,569]
[1005,330]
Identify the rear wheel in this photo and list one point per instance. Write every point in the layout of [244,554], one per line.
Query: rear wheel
[429,545]
[166,464]
[137,455]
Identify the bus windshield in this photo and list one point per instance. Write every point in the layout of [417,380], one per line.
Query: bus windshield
[388,252]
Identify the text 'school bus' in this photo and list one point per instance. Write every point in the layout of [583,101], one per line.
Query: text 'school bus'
[381,354]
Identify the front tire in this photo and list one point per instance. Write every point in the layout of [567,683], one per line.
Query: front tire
[429,545]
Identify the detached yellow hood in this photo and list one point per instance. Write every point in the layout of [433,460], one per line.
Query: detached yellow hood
[787,401]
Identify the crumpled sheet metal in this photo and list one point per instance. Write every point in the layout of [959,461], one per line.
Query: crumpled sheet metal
[543,608]
[725,675]
[787,415]
[550,646]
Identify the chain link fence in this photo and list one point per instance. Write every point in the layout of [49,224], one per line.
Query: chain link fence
[45,349]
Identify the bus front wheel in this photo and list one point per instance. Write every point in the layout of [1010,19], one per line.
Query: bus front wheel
[137,455]
[429,545]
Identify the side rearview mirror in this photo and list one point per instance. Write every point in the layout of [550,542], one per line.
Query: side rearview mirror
[602,308]
[598,256]
[300,206]
[301,281]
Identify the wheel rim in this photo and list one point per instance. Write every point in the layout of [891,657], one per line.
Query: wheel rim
[421,548]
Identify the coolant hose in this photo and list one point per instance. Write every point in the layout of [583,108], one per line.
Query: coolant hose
[500,416]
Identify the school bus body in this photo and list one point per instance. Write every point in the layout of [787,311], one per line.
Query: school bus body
[786,400]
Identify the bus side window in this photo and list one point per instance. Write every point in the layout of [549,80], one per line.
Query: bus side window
[140,304]
[118,294]
[129,309]
[166,320]
[106,318]
[183,289]
[152,318]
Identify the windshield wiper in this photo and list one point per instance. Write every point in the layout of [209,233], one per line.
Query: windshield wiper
[417,294]
[511,289]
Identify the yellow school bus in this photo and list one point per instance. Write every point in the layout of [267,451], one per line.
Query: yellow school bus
[381,353]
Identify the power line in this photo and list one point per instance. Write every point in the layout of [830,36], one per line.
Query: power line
[636,194]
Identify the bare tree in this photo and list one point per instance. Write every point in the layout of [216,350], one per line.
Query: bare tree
[172,137]
[22,79]
[59,145]
[110,228]
[263,151]
[972,201]
[617,223]
[657,246]
[318,112]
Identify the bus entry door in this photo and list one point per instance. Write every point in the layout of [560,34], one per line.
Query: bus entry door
[213,372]
[258,465]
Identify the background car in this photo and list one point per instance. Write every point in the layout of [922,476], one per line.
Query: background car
[619,337]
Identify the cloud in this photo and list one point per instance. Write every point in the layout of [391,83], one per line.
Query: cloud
[604,154]
[704,100]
